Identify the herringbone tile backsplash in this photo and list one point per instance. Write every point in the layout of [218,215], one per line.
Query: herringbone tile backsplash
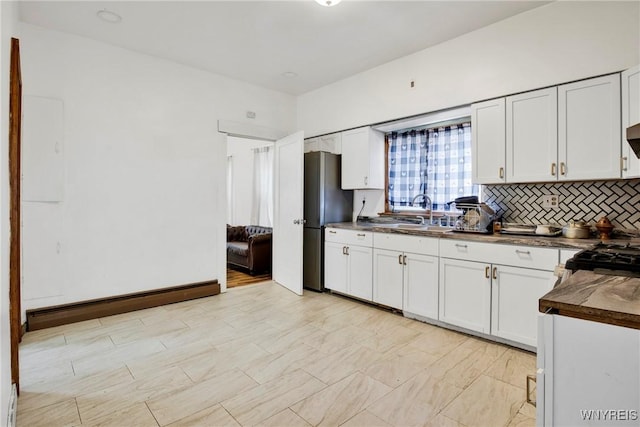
[589,201]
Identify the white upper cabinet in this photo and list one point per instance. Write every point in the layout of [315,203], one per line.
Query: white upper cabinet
[630,117]
[532,136]
[311,144]
[331,143]
[589,129]
[488,141]
[362,159]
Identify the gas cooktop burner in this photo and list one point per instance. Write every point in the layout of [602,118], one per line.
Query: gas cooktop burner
[605,256]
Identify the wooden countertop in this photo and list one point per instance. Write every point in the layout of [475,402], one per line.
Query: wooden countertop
[597,297]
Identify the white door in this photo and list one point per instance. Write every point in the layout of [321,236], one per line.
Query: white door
[514,307]
[630,116]
[359,274]
[421,285]
[388,269]
[465,294]
[488,141]
[335,267]
[589,129]
[288,212]
[532,136]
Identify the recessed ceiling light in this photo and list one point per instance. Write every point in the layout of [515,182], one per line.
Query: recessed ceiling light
[328,3]
[108,16]
[289,74]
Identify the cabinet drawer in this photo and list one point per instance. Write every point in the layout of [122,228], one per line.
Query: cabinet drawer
[349,237]
[402,243]
[525,256]
[466,250]
[517,256]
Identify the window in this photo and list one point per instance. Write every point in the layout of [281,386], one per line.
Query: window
[434,161]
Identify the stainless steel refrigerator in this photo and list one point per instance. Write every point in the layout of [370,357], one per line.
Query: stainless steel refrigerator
[324,203]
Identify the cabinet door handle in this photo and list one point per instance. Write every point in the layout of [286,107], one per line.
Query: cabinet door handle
[332,232]
[623,163]
[486,272]
[495,272]
[400,259]
[344,250]
[518,251]
[361,235]
[563,168]
[347,248]
[461,246]
[553,169]
[501,172]
[404,260]
[366,180]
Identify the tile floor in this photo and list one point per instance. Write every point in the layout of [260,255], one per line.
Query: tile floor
[259,355]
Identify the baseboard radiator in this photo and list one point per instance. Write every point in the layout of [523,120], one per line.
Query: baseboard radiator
[13,407]
[48,317]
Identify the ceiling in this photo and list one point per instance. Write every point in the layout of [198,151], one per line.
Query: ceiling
[259,41]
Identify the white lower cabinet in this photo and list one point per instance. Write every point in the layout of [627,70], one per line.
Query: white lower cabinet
[498,298]
[421,285]
[359,260]
[465,294]
[406,281]
[348,257]
[388,273]
[514,302]
[405,273]
[336,269]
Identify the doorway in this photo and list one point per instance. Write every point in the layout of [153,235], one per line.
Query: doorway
[249,200]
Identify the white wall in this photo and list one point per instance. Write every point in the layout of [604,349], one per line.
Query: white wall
[552,44]
[8,27]
[145,168]
[241,149]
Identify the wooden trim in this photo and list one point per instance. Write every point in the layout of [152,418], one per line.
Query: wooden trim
[86,310]
[386,173]
[15,118]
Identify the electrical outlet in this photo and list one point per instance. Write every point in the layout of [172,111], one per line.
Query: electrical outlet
[550,201]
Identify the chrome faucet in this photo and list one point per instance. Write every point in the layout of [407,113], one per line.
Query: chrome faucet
[428,202]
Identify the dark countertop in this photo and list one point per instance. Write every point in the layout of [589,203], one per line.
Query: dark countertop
[585,295]
[597,297]
[509,239]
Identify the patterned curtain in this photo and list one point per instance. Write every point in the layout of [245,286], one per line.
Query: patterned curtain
[407,167]
[434,161]
[449,164]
